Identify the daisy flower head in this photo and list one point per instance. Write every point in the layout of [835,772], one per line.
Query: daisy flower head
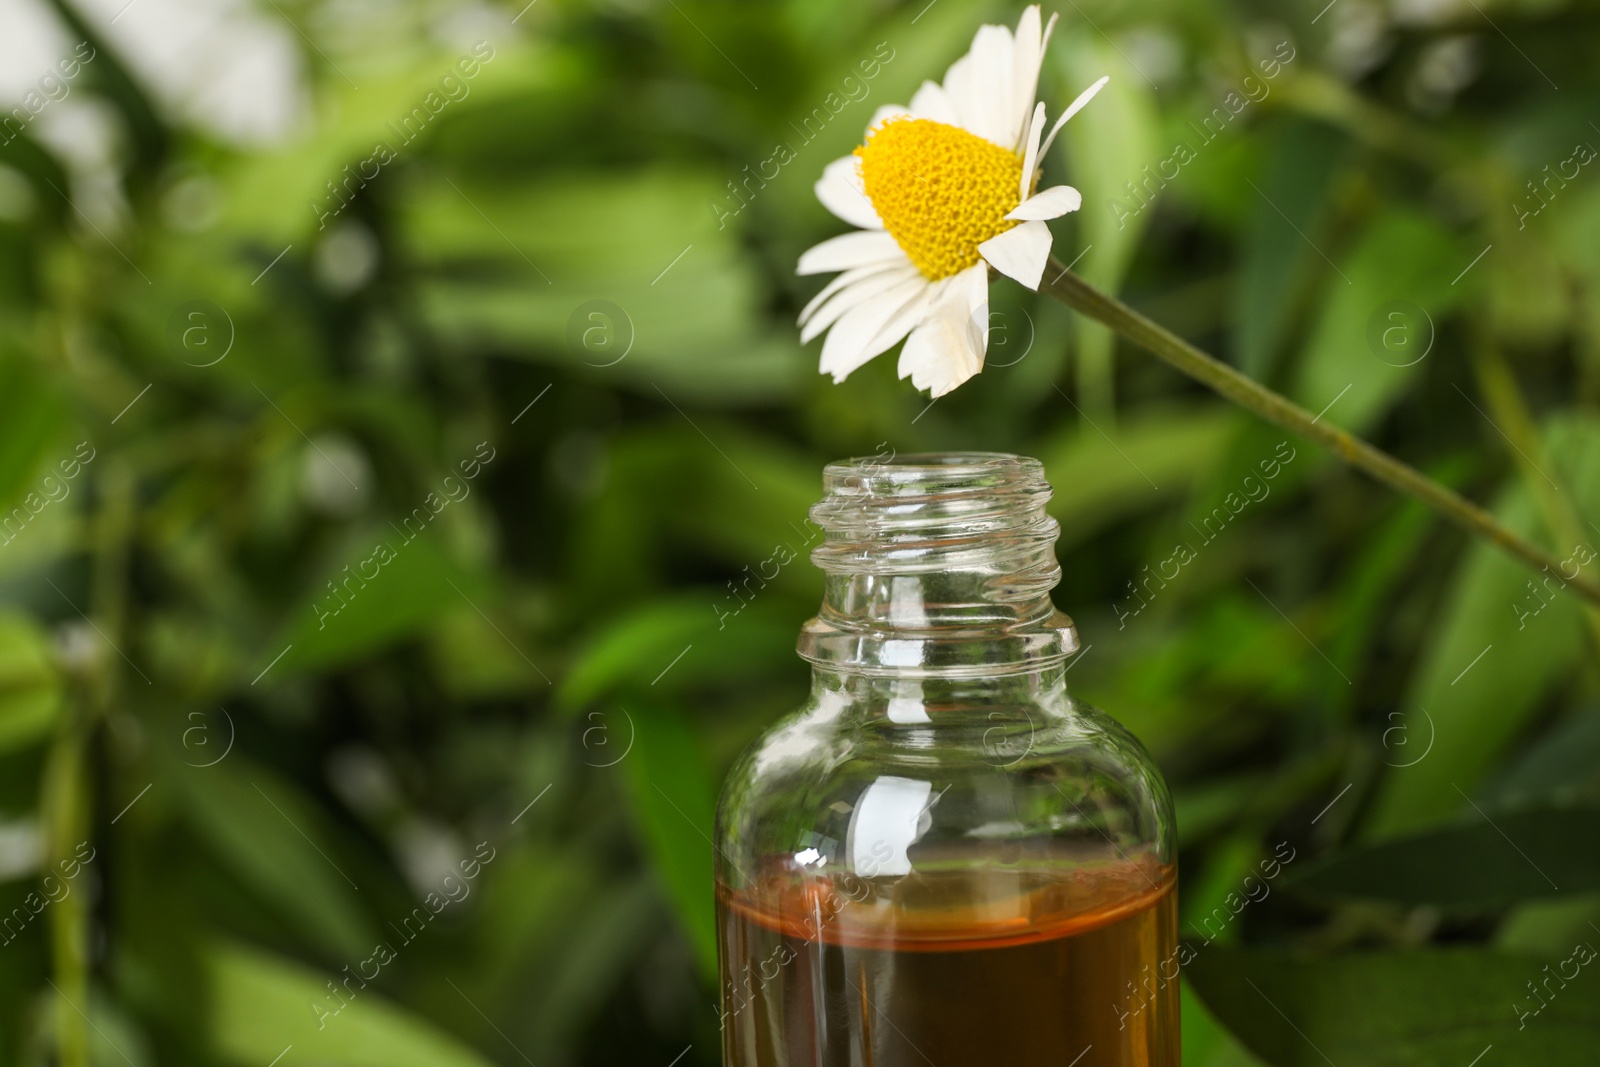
[942,190]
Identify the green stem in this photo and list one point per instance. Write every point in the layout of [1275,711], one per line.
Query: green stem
[1095,380]
[68,789]
[1079,295]
[66,818]
[1515,422]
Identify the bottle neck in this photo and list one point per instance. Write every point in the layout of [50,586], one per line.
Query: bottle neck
[1039,690]
[938,566]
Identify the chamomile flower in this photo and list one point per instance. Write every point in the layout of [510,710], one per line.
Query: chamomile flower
[942,191]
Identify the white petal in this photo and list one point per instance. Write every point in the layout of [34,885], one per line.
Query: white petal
[848,343]
[948,347]
[904,321]
[979,85]
[931,102]
[1084,97]
[840,191]
[1030,159]
[993,51]
[849,277]
[935,353]
[852,296]
[1029,37]
[1072,109]
[1048,203]
[959,91]
[1029,56]
[887,112]
[1020,253]
[848,250]
[909,315]
[972,286]
[937,358]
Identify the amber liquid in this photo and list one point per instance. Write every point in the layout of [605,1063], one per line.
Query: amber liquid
[1015,968]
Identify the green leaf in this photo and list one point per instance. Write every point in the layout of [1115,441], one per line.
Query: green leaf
[115,1037]
[281,195]
[538,895]
[1206,1042]
[1234,650]
[30,688]
[1577,239]
[656,647]
[1212,804]
[1384,562]
[116,84]
[261,1005]
[1302,159]
[271,837]
[1401,256]
[1227,865]
[1099,480]
[1561,768]
[1396,1009]
[670,497]
[673,801]
[559,933]
[1549,927]
[915,45]
[34,418]
[1109,141]
[393,583]
[1528,300]
[473,659]
[1483,864]
[603,946]
[1494,655]
[660,297]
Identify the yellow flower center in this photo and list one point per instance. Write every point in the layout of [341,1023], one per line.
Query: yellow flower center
[940,191]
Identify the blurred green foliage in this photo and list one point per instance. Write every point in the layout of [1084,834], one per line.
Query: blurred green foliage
[286,650]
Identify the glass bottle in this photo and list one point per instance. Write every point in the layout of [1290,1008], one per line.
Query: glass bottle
[943,859]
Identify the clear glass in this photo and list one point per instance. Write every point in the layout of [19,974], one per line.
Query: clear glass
[943,858]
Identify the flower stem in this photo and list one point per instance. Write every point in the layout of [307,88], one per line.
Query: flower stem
[1079,295]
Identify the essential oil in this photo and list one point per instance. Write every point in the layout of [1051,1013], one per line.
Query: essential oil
[943,858]
[1015,968]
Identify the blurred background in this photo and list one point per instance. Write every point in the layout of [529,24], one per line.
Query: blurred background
[398,398]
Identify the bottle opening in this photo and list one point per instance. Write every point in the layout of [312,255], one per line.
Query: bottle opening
[938,563]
